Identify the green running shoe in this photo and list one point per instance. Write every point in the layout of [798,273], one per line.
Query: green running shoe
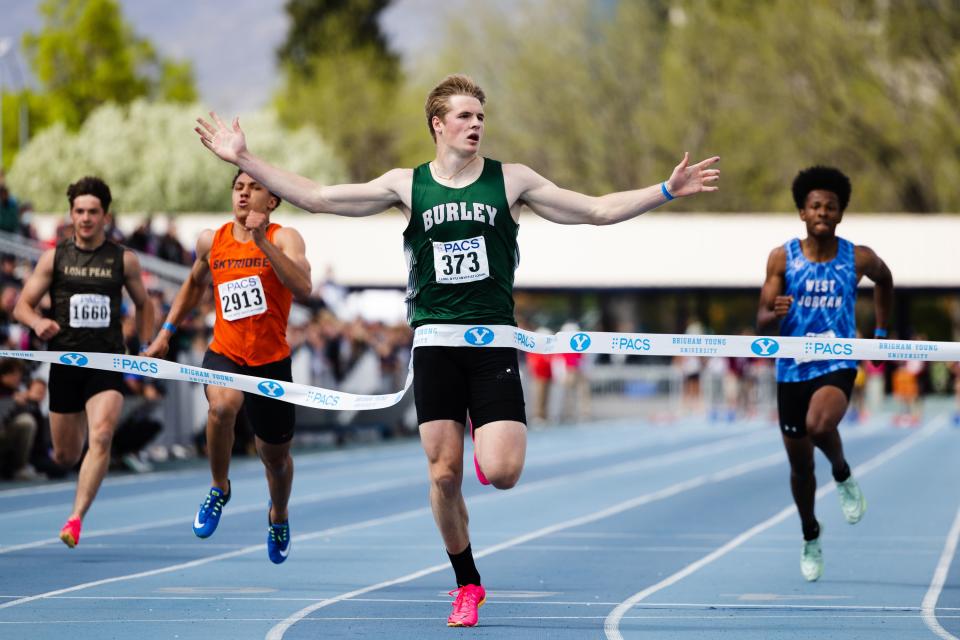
[852,502]
[811,560]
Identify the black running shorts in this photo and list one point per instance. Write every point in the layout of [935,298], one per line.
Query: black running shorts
[272,420]
[449,382]
[71,387]
[793,399]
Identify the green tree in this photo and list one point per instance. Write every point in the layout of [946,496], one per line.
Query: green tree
[574,88]
[87,54]
[602,96]
[36,116]
[153,160]
[849,84]
[176,83]
[340,76]
[331,27]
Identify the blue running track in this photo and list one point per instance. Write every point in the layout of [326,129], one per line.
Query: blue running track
[617,530]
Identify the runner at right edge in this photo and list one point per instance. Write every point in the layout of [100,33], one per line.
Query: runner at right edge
[811,290]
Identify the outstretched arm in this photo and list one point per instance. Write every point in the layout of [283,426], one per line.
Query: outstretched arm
[569,207]
[230,144]
[773,305]
[870,265]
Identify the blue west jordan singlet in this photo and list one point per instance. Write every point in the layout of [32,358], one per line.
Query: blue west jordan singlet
[824,295]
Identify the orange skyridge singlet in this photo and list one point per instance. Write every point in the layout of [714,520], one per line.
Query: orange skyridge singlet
[252,304]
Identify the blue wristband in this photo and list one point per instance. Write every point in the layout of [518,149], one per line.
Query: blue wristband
[879,332]
[169,327]
[144,347]
[663,189]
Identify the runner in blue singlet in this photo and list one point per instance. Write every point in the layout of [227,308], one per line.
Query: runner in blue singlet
[810,290]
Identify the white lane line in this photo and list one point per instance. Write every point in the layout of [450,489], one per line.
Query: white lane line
[929,603]
[397,468]
[207,560]
[348,461]
[276,633]
[653,462]
[612,623]
[372,487]
[657,460]
[71,485]
[495,599]
[365,463]
[487,618]
[376,457]
[500,599]
[241,485]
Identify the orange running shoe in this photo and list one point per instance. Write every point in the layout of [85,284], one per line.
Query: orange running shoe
[70,534]
[469,598]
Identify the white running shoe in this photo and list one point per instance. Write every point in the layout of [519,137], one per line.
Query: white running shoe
[811,560]
[852,502]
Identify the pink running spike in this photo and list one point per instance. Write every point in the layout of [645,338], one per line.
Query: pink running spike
[70,534]
[469,598]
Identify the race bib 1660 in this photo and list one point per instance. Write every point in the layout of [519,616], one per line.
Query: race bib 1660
[89,311]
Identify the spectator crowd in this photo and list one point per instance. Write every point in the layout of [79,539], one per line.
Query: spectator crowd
[335,345]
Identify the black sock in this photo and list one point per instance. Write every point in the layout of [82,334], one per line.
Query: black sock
[811,532]
[464,567]
[844,473]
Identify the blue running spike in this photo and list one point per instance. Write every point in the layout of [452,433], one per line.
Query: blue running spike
[278,540]
[208,516]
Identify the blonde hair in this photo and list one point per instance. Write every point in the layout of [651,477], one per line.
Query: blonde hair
[438,102]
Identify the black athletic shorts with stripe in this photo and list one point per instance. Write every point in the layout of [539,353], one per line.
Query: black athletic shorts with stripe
[71,387]
[272,420]
[793,399]
[450,382]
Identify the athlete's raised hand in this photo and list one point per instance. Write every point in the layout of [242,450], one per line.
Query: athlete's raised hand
[226,142]
[256,223]
[45,328]
[688,179]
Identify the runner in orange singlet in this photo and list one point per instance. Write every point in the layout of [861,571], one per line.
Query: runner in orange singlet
[256,268]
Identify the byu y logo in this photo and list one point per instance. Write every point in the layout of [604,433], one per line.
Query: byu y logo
[76,359]
[765,346]
[271,388]
[580,342]
[478,336]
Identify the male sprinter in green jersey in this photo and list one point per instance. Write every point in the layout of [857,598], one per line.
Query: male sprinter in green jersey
[85,276]
[461,246]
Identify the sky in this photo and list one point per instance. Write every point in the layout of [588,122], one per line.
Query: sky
[231,43]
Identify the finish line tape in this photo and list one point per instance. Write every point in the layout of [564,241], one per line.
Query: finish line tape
[479,336]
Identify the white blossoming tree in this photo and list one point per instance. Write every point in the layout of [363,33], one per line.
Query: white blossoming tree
[153,161]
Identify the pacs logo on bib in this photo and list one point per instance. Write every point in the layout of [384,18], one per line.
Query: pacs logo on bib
[242,298]
[460,261]
[89,311]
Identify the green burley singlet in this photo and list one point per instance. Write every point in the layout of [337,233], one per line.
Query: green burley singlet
[461,250]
